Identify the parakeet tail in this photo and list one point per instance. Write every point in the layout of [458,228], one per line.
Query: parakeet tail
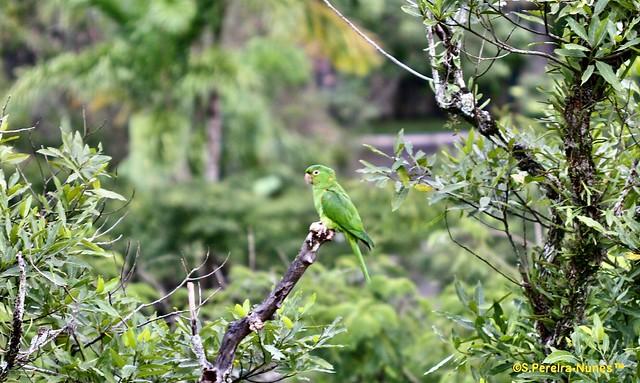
[353,242]
[367,240]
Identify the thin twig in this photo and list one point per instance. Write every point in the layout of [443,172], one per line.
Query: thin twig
[375,45]
[189,278]
[178,312]
[467,249]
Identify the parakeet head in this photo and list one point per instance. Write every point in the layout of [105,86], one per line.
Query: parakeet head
[319,175]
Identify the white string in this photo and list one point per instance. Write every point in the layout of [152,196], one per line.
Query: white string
[376,46]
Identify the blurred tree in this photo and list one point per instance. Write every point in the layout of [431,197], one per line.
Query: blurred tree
[183,72]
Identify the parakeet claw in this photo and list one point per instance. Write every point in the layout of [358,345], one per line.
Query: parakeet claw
[255,323]
[321,229]
[317,227]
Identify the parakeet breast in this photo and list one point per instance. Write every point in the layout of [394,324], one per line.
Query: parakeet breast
[317,202]
[328,223]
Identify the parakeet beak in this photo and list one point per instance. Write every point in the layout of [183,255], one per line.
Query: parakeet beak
[307,178]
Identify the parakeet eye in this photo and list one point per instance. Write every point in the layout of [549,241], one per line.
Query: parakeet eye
[316,172]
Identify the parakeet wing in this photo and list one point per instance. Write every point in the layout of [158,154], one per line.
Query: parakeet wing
[337,206]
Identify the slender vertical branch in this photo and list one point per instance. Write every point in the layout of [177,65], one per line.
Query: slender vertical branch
[632,180]
[196,341]
[16,325]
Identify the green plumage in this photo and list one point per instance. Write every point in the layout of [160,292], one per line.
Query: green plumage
[337,211]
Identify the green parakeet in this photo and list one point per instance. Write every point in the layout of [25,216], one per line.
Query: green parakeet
[336,210]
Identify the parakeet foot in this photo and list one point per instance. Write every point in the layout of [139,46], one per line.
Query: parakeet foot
[322,230]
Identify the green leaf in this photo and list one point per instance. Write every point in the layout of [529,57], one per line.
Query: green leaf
[594,224]
[560,356]
[598,329]
[484,202]
[597,28]
[323,365]
[129,371]
[117,359]
[25,206]
[275,353]
[246,306]
[54,278]
[468,146]
[376,150]
[99,285]
[453,187]
[5,123]
[14,158]
[577,29]
[439,365]
[239,311]
[104,193]
[399,198]
[90,245]
[288,323]
[51,152]
[600,5]
[570,53]
[530,17]
[497,316]
[630,43]
[462,295]
[424,188]
[145,335]
[587,73]
[129,338]
[399,144]
[411,10]
[606,71]
[403,175]
[576,47]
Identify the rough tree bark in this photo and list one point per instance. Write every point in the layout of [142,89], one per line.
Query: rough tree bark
[15,338]
[586,251]
[220,370]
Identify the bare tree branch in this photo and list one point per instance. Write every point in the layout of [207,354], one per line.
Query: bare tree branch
[467,249]
[196,342]
[524,27]
[632,180]
[254,321]
[41,339]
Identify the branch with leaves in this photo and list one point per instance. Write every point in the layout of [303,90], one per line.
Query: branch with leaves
[220,370]
[570,173]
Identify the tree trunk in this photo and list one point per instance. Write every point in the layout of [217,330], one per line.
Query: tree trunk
[214,138]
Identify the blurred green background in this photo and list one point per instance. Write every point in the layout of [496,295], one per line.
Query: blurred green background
[212,110]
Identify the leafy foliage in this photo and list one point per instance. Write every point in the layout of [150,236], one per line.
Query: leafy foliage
[570,178]
[63,320]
